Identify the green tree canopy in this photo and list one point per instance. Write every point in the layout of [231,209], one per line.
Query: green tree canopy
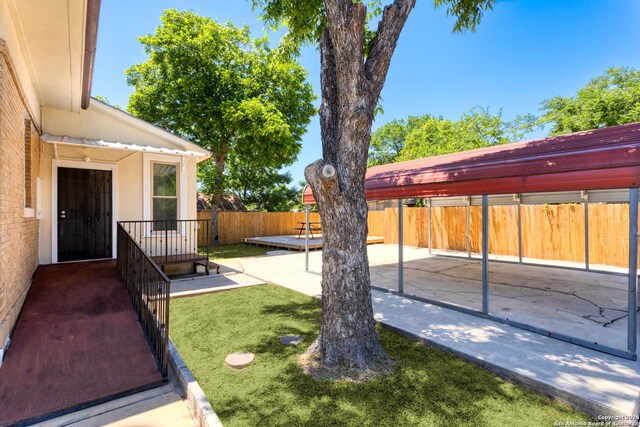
[427,136]
[306,20]
[212,84]
[108,102]
[608,100]
[264,189]
[388,141]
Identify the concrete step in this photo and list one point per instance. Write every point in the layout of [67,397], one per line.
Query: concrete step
[160,406]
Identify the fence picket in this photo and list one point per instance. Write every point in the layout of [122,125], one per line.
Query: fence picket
[553,232]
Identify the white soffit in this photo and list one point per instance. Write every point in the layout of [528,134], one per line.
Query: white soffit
[51,35]
[94,143]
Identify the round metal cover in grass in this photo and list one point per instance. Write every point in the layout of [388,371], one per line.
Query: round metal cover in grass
[239,360]
[291,339]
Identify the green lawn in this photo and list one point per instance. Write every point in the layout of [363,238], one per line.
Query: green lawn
[235,251]
[429,387]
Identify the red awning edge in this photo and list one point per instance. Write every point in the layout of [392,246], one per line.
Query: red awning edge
[600,159]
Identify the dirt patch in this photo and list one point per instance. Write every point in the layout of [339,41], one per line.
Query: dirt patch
[310,361]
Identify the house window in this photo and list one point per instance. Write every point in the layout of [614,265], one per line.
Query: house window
[165,196]
[28,192]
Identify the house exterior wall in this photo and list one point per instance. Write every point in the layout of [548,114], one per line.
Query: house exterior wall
[102,122]
[18,222]
[192,189]
[37,96]
[131,204]
[128,192]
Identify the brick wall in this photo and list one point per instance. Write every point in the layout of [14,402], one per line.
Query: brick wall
[19,140]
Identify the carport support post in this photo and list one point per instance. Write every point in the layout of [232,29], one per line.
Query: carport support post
[585,197]
[429,224]
[633,271]
[306,238]
[485,254]
[466,235]
[400,245]
[518,199]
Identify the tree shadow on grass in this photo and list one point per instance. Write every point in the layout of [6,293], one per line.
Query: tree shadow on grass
[272,345]
[417,390]
[305,311]
[428,387]
[301,319]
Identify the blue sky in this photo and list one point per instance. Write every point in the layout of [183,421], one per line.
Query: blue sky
[523,52]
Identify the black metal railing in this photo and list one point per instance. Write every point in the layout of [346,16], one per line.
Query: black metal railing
[149,289]
[172,241]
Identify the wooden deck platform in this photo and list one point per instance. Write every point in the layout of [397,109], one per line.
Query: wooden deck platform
[78,342]
[294,242]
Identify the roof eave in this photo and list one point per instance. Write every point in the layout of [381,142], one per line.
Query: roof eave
[105,145]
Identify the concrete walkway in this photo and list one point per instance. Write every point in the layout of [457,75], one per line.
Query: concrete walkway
[594,382]
[159,407]
[213,283]
[77,341]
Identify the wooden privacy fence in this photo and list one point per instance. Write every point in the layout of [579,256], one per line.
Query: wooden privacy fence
[234,227]
[552,232]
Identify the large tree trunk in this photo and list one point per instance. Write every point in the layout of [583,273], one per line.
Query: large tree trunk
[215,241]
[215,199]
[347,331]
[350,91]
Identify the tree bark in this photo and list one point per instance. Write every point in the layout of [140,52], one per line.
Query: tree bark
[350,91]
[215,199]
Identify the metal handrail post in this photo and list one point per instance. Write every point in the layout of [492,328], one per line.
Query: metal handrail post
[149,289]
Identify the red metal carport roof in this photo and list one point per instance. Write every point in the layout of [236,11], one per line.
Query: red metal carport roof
[599,159]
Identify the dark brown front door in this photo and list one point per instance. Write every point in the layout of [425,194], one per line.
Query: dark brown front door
[84,214]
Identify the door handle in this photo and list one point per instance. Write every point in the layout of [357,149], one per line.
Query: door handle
[63,214]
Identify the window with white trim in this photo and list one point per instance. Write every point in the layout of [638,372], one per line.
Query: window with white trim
[164,206]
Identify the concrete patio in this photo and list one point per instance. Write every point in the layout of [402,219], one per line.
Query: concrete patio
[595,382]
[590,305]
